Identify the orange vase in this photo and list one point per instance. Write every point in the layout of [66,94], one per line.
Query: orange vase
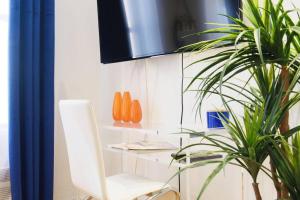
[117,107]
[136,111]
[126,107]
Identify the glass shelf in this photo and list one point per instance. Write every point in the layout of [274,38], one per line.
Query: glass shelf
[160,129]
[159,156]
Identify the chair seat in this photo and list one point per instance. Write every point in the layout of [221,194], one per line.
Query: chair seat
[128,187]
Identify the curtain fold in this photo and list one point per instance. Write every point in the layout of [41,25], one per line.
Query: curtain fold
[31,99]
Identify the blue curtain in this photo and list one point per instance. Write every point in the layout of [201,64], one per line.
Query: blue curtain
[31,99]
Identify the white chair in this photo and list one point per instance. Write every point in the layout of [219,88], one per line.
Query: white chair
[86,159]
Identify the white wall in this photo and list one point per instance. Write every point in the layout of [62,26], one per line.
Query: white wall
[155,81]
[77,73]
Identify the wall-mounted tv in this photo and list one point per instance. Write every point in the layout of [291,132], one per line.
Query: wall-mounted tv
[132,29]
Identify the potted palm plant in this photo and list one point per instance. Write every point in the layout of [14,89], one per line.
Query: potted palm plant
[268,48]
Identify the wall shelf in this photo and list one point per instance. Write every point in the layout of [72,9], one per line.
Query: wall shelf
[159,129]
[158,156]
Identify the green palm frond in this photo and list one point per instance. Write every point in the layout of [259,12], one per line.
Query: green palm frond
[248,142]
[269,42]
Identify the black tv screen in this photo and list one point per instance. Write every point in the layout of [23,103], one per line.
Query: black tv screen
[132,29]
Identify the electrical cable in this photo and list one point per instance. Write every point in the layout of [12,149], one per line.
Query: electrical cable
[182,90]
[181,116]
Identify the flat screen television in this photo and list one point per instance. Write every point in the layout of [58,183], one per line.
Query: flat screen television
[132,29]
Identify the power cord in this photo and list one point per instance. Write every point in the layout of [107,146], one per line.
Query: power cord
[181,116]
[182,90]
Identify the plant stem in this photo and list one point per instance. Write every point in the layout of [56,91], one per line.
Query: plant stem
[277,184]
[284,192]
[284,126]
[284,75]
[256,191]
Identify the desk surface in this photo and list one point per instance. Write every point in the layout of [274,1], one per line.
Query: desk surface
[159,129]
[159,156]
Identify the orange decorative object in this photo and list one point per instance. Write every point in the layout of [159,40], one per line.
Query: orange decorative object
[136,111]
[117,107]
[126,107]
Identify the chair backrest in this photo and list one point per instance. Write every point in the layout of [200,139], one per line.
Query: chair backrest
[84,147]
